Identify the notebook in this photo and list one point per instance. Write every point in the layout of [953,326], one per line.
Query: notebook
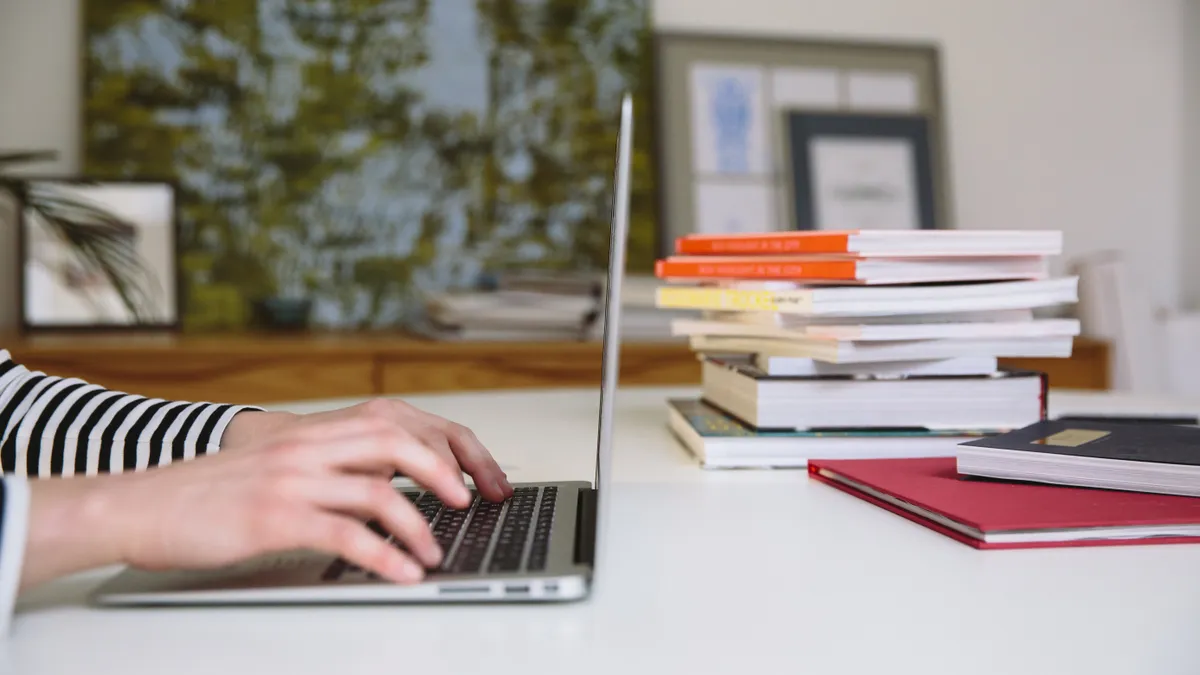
[1162,458]
[997,515]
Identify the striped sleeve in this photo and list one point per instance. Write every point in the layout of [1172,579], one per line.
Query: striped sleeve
[63,426]
[51,426]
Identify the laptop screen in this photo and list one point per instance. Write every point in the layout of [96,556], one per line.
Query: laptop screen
[612,302]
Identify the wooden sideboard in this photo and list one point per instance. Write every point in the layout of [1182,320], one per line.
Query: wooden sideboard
[270,368]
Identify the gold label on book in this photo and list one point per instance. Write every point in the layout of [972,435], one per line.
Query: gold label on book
[1072,438]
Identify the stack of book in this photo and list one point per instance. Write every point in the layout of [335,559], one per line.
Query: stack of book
[524,306]
[862,344]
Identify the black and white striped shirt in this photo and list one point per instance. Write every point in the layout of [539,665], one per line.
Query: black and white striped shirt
[53,426]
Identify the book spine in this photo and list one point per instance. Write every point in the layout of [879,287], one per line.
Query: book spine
[839,270]
[728,299]
[784,243]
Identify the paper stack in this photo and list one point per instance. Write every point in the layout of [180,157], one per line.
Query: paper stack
[875,336]
[525,306]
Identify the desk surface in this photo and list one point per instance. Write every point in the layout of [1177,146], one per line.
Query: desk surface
[705,572]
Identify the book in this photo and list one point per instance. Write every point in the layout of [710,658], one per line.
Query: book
[795,366]
[861,351]
[881,242]
[1159,458]
[996,515]
[719,441]
[1001,401]
[795,321]
[849,270]
[794,299]
[880,332]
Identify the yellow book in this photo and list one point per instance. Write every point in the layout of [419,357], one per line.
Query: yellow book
[873,301]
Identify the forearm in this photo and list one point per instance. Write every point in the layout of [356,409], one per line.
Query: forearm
[74,525]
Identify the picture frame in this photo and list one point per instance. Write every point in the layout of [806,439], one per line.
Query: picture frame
[774,75]
[98,255]
[860,172]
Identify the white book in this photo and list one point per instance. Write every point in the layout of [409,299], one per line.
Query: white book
[802,321]
[999,401]
[788,366]
[841,351]
[859,301]
[880,333]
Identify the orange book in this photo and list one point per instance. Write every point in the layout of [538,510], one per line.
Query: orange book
[789,267]
[777,242]
[876,243]
[815,269]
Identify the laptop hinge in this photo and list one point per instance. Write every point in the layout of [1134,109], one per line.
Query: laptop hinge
[585,528]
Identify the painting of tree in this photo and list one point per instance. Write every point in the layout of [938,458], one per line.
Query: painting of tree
[362,153]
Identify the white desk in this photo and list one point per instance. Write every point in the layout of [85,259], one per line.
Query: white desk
[739,572]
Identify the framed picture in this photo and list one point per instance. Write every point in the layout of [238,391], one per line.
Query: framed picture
[97,255]
[723,140]
[860,172]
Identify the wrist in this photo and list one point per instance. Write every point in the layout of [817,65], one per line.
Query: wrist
[70,528]
[250,425]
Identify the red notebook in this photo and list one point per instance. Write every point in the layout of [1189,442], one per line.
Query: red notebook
[991,514]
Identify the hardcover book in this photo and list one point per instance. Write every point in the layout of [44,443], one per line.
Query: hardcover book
[1161,458]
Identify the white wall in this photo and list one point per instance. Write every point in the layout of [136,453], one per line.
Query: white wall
[39,103]
[1063,113]
[1191,175]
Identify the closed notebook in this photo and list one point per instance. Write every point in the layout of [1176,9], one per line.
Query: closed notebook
[1161,458]
[990,514]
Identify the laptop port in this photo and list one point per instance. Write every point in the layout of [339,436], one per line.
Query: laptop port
[516,589]
[446,590]
[550,588]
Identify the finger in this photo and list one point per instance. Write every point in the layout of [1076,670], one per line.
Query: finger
[375,499]
[435,440]
[351,540]
[478,462]
[391,446]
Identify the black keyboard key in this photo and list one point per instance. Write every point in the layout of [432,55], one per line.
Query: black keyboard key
[510,543]
[476,539]
[335,570]
[540,546]
[412,496]
[429,506]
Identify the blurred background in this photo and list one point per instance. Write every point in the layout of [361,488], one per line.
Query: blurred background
[442,170]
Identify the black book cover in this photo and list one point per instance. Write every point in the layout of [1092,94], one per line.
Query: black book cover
[1159,443]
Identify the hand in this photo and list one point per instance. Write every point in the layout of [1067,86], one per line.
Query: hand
[455,443]
[309,485]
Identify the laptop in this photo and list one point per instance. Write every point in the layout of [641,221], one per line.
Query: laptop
[540,545]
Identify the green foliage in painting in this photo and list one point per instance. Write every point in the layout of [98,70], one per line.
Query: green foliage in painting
[361,153]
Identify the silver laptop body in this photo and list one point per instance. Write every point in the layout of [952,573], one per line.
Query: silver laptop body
[539,545]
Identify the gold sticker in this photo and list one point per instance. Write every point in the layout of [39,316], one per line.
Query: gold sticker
[1072,438]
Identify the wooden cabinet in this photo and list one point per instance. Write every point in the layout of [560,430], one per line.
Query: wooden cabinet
[268,368]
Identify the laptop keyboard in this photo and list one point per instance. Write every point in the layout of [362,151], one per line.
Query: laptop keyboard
[498,537]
